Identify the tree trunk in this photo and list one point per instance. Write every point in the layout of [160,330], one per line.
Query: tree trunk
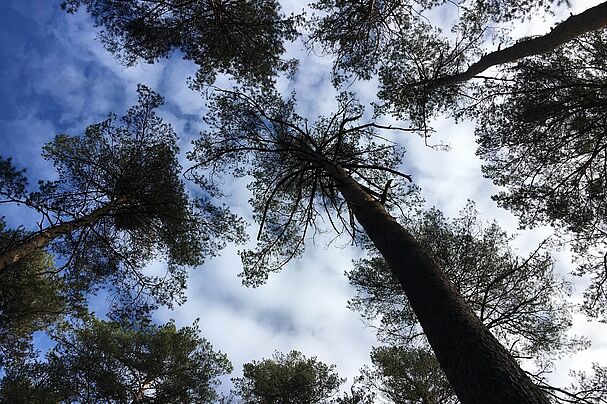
[478,367]
[140,394]
[43,237]
[590,20]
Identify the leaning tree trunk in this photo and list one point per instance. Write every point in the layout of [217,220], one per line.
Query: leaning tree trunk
[478,367]
[593,19]
[42,238]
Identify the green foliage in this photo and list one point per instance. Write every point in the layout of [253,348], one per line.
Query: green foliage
[12,181]
[507,10]
[543,139]
[31,384]
[117,362]
[592,388]
[406,76]
[258,134]
[396,40]
[362,35]
[119,203]
[356,395]
[32,297]
[287,378]
[520,301]
[239,37]
[357,33]
[393,39]
[407,376]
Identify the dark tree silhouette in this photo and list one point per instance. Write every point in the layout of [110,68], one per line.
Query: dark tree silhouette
[118,203]
[540,127]
[592,19]
[543,139]
[32,298]
[412,375]
[243,38]
[364,35]
[436,76]
[520,300]
[118,362]
[407,376]
[337,169]
[423,72]
[288,378]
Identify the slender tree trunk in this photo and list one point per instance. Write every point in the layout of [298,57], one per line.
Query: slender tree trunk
[43,237]
[590,20]
[478,367]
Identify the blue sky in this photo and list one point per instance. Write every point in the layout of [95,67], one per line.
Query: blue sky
[56,78]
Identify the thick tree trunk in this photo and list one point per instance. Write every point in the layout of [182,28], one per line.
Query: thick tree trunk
[590,20]
[479,368]
[43,237]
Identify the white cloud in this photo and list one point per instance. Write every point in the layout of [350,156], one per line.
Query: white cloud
[304,306]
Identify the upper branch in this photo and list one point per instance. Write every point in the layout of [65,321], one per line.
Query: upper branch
[590,20]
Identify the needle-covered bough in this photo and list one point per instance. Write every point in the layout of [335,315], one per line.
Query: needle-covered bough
[309,178]
[297,170]
[119,202]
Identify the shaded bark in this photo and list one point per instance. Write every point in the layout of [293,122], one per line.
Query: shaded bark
[41,238]
[478,367]
[590,20]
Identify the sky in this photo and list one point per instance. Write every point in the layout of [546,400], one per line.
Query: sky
[57,78]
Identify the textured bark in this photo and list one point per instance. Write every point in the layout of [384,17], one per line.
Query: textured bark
[590,20]
[43,237]
[478,367]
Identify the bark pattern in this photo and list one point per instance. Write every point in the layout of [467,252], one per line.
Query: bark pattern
[590,20]
[476,364]
[42,238]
